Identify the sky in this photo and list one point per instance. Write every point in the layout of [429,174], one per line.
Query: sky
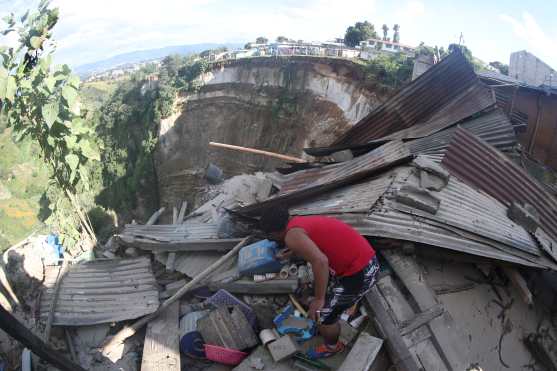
[91,30]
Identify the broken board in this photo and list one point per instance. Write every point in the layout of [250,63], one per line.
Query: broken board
[161,350]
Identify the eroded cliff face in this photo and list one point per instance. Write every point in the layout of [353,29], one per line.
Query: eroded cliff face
[279,105]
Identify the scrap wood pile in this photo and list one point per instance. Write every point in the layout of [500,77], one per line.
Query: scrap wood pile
[431,167]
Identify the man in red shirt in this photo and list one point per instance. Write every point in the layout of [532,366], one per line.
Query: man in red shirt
[340,258]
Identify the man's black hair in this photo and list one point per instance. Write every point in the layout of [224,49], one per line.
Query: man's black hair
[274,219]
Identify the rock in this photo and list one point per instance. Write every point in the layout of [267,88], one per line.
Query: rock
[91,336]
[347,332]
[132,252]
[283,348]
[257,363]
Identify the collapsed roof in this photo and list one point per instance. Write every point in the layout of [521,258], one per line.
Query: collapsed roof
[437,170]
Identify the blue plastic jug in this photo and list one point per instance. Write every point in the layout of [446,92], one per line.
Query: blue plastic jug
[258,258]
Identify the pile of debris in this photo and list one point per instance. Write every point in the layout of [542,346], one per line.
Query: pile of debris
[429,177]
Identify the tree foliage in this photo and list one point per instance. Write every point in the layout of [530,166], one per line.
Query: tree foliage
[40,101]
[261,40]
[501,67]
[390,71]
[359,32]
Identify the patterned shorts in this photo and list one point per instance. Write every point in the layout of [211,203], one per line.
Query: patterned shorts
[344,292]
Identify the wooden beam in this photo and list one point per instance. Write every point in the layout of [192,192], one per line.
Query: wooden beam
[153,219]
[61,274]
[400,354]
[170,261]
[520,284]
[182,212]
[421,319]
[443,327]
[161,349]
[111,347]
[214,244]
[272,287]
[18,331]
[363,353]
[258,152]
[6,284]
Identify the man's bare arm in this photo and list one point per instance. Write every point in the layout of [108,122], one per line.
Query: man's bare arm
[299,242]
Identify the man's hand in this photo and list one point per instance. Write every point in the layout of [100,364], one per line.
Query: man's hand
[314,306]
[283,254]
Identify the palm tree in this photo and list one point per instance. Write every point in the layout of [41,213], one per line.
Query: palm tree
[385,32]
[396,36]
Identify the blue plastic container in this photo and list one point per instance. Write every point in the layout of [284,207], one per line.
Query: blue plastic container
[258,258]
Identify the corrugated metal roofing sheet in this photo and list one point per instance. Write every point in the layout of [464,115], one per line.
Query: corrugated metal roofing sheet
[465,208]
[101,291]
[307,183]
[171,232]
[475,99]
[350,199]
[389,223]
[483,166]
[494,127]
[417,102]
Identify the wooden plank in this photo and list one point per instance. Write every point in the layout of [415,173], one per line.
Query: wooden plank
[421,319]
[153,219]
[182,212]
[400,354]
[214,244]
[419,341]
[520,284]
[363,353]
[161,350]
[444,330]
[272,287]
[6,285]
[15,329]
[174,215]
[170,261]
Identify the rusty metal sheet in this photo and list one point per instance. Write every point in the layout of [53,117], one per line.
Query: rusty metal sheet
[465,208]
[308,183]
[493,127]
[475,99]
[181,237]
[350,199]
[101,291]
[417,102]
[388,223]
[484,167]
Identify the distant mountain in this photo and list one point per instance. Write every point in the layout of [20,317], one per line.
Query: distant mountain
[146,55]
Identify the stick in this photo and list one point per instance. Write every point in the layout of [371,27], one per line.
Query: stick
[15,329]
[182,212]
[6,284]
[298,305]
[126,332]
[61,273]
[258,152]
[153,219]
[69,343]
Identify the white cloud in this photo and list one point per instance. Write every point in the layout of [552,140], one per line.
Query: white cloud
[535,39]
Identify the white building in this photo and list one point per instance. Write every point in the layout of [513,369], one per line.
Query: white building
[526,67]
[373,47]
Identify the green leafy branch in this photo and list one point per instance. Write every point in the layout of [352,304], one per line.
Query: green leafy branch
[40,101]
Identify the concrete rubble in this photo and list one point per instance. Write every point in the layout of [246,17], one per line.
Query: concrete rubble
[468,278]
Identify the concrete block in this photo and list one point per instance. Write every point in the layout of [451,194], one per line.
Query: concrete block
[283,348]
[363,353]
[227,327]
[263,355]
[418,198]
[347,332]
[526,216]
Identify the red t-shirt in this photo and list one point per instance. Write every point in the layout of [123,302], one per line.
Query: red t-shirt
[348,252]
